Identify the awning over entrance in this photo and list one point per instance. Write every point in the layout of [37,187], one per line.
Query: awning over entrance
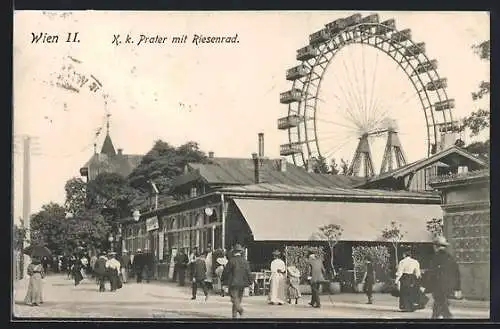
[298,220]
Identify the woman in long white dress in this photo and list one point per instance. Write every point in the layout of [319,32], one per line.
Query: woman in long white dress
[277,294]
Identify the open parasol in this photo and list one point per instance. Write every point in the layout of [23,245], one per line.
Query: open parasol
[293,271]
[37,251]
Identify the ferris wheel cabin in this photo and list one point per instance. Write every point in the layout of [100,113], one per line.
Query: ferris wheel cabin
[297,72]
[426,66]
[415,50]
[290,96]
[319,37]
[353,20]
[402,35]
[386,27]
[287,122]
[306,53]
[290,149]
[337,25]
[437,84]
[444,105]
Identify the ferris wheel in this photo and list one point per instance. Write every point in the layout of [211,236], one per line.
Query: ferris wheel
[347,116]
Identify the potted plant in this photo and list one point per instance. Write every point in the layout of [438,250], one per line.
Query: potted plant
[380,259]
[332,234]
[297,256]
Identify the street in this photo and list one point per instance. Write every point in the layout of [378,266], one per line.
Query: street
[160,300]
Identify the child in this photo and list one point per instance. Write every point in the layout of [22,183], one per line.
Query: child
[369,279]
[293,284]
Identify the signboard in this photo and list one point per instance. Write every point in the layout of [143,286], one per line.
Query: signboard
[152,224]
[172,264]
[161,240]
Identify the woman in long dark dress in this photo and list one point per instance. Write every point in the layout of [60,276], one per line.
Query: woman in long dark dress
[77,271]
[34,294]
[369,279]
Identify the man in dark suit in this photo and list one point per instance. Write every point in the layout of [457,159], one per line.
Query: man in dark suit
[444,279]
[100,270]
[316,277]
[199,275]
[138,265]
[237,277]
[182,265]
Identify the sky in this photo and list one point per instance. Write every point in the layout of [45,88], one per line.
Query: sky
[220,95]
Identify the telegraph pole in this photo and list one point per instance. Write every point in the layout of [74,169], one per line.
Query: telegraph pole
[26,198]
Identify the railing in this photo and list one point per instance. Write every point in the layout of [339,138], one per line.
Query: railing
[457,176]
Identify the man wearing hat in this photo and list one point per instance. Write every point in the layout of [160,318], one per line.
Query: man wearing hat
[138,265]
[113,267]
[237,276]
[407,274]
[100,270]
[125,264]
[444,279]
[316,277]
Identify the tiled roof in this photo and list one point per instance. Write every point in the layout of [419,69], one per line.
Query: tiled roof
[331,191]
[441,157]
[122,164]
[234,171]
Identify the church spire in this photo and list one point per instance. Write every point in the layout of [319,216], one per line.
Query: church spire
[107,146]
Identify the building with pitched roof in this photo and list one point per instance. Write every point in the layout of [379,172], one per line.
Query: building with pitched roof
[109,160]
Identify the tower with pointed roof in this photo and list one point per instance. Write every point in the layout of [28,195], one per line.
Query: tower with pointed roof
[109,159]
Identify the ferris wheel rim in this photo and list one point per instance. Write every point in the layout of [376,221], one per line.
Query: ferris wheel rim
[400,48]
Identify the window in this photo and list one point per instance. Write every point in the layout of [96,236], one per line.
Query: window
[193,192]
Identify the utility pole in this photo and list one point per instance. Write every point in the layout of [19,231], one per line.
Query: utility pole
[26,198]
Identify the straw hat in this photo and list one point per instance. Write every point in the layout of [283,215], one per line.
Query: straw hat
[276,253]
[238,247]
[293,271]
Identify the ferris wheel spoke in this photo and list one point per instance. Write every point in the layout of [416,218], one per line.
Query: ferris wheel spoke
[350,110]
[365,107]
[358,91]
[337,124]
[337,147]
[352,93]
[371,103]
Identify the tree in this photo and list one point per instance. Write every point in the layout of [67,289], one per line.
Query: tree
[479,120]
[344,167]
[320,165]
[334,167]
[162,164]
[48,227]
[394,235]
[435,227]
[76,195]
[332,234]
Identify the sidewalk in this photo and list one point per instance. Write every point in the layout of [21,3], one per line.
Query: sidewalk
[382,302]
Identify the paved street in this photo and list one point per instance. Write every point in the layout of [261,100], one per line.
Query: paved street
[160,300]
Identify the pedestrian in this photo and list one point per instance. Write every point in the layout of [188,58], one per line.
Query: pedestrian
[316,277]
[93,260]
[148,264]
[221,263]
[237,277]
[34,296]
[407,276]
[293,284]
[100,271]
[125,265]
[444,279]
[138,265]
[113,269]
[369,279]
[199,275]
[209,261]
[277,293]
[182,266]
[77,270]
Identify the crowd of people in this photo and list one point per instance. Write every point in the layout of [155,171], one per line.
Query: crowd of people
[229,273]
